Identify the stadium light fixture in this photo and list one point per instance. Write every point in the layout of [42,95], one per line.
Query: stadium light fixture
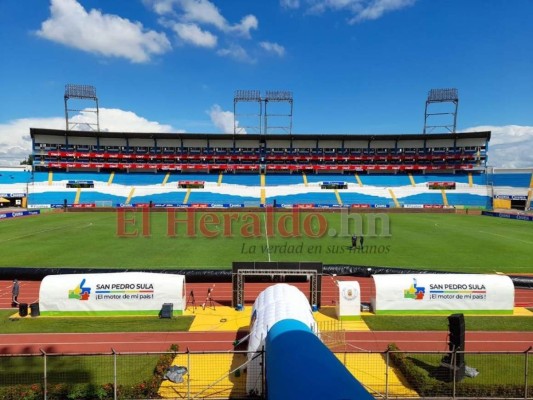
[247,95]
[436,96]
[258,121]
[81,92]
[278,95]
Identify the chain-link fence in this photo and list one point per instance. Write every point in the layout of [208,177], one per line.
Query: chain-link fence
[229,375]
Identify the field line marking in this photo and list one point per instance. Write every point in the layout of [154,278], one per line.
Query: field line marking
[266,234]
[503,236]
[46,230]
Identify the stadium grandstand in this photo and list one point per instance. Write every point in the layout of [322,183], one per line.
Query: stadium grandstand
[91,169]
[111,168]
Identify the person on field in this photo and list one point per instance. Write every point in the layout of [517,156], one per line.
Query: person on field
[15,293]
[354,242]
[361,240]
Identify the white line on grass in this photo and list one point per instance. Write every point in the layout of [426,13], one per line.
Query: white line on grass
[503,236]
[33,233]
[266,234]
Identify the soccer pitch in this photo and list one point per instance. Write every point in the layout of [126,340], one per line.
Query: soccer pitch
[213,240]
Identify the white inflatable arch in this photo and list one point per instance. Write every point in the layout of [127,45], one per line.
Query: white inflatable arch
[275,303]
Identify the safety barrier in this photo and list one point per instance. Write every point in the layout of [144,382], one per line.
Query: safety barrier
[392,374]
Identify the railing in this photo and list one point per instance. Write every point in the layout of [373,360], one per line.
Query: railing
[392,374]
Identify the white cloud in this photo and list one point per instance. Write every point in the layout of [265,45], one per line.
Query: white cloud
[203,12]
[248,23]
[376,8]
[360,10]
[223,120]
[273,48]
[237,53]
[193,34]
[15,141]
[290,3]
[104,34]
[116,120]
[510,145]
[161,7]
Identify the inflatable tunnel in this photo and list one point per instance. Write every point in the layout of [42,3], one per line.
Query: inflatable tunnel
[295,357]
[275,303]
[283,324]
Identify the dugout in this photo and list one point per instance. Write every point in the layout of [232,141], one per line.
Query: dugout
[510,202]
[281,271]
[111,294]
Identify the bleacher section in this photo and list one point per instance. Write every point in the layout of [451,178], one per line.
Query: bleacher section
[245,189]
[511,188]
[11,176]
[285,179]
[241,179]
[238,170]
[136,152]
[13,186]
[507,179]
[382,180]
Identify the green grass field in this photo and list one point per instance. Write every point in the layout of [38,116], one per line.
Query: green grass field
[95,369]
[91,324]
[440,242]
[183,323]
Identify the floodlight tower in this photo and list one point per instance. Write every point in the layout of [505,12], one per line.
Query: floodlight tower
[81,92]
[439,96]
[249,96]
[279,96]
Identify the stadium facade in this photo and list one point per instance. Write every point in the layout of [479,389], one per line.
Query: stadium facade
[90,169]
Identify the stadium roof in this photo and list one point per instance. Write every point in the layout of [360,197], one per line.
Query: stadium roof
[144,135]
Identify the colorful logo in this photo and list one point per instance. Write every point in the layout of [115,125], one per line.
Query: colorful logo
[414,292]
[349,293]
[80,292]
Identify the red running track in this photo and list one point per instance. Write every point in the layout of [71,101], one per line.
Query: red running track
[87,343]
[223,341]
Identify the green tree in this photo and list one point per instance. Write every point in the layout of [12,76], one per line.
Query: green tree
[27,161]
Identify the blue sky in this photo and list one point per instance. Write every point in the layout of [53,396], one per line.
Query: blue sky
[353,66]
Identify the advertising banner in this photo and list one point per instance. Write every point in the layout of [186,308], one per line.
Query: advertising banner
[123,293]
[519,217]
[443,294]
[16,214]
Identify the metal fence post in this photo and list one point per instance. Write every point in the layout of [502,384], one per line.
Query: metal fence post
[114,373]
[454,371]
[526,371]
[387,360]
[263,374]
[45,375]
[189,373]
